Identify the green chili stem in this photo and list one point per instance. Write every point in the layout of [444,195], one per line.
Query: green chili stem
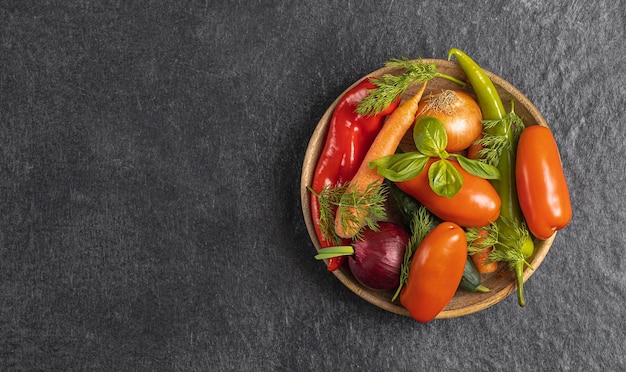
[519,274]
[482,289]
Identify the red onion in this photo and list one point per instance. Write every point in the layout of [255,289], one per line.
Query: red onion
[376,260]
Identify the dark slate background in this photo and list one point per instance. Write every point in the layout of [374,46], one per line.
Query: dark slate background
[150,158]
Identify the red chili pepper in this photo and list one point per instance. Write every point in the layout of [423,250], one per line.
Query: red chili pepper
[541,185]
[349,137]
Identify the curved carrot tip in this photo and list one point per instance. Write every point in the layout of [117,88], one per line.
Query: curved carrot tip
[348,227]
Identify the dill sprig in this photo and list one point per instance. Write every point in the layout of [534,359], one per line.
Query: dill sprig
[328,198]
[389,87]
[496,142]
[477,243]
[341,200]
[421,224]
[509,248]
[370,204]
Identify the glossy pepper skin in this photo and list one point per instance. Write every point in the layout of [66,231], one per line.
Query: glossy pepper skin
[407,207]
[492,108]
[541,185]
[476,204]
[349,137]
[435,272]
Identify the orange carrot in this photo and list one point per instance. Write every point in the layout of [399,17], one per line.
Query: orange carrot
[385,143]
[481,258]
[473,152]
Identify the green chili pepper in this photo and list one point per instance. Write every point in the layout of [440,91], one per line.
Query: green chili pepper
[514,245]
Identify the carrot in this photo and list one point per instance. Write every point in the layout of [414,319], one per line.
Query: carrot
[385,143]
[473,152]
[481,258]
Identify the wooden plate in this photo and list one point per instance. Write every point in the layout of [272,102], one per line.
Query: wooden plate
[502,282]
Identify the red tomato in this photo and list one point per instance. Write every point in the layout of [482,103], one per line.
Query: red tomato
[476,204]
[458,112]
[435,272]
[541,185]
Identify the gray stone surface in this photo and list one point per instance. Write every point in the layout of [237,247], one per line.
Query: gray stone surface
[149,175]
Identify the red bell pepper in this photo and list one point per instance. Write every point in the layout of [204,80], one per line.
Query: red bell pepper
[349,137]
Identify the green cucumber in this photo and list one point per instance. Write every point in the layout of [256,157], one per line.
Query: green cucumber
[471,278]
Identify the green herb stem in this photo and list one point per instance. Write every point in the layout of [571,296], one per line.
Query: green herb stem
[344,250]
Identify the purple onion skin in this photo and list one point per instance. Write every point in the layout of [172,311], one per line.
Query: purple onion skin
[377,258]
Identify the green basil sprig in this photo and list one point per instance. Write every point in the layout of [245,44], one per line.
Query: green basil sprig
[431,140]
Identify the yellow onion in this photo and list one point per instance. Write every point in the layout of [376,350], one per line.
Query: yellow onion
[458,112]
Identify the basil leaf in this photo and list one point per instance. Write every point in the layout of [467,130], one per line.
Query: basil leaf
[400,167]
[478,168]
[444,178]
[430,137]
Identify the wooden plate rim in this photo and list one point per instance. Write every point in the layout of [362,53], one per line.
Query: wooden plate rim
[314,148]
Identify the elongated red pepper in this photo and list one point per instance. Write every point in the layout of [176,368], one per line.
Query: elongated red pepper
[349,137]
[541,185]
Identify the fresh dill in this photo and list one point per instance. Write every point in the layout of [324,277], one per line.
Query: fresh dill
[477,243]
[350,204]
[495,142]
[421,224]
[389,87]
[507,247]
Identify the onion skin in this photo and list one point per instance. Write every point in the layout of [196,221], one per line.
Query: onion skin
[458,112]
[378,258]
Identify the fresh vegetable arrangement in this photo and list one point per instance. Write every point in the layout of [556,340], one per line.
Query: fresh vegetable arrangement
[477,187]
